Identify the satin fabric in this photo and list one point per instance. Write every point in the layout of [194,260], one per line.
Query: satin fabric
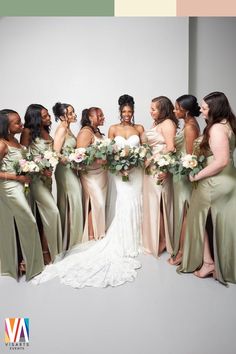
[182,194]
[43,199]
[108,261]
[94,185]
[154,197]
[215,195]
[69,200]
[16,216]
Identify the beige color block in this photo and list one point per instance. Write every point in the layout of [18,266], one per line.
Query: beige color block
[145,7]
[206,8]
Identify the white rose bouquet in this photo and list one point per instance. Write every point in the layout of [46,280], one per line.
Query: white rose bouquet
[160,163]
[80,158]
[47,161]
[190,165]
[123,159]
[26,166]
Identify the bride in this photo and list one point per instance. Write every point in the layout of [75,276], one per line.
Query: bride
[110,261]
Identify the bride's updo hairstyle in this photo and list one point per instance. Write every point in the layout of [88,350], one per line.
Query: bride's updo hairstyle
[190,104]
[126,100]
[85,119]
[59,109]
[166,109]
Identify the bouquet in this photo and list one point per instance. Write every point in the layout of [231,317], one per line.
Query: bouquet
[161,163]
[80,158]
[190,165]
[123,159]
[75,158]
[26,166]
[47,161]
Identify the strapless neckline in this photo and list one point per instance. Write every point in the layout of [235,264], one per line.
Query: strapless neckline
[132,140]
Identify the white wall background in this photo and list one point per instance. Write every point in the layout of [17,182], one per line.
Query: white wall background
[213,56]
[91,61]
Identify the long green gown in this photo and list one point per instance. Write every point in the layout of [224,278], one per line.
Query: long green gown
[69,200]
[43,199]
[215,195]
[182,194]
[16,214]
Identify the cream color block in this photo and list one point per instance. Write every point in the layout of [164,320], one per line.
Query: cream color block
[145,7]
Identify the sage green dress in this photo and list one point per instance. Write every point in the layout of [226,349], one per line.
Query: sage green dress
[69,200]
[215,195]
[16,216]
[43,199]
[182,194]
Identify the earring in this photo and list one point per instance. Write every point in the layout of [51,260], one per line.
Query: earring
[186,114]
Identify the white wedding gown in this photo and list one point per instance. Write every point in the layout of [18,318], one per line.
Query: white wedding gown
[108,261]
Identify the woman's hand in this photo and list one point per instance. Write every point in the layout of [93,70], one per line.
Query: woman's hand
[23,179]
[101,162]
[162,176]
[63,160]
[47,173]
[193,178]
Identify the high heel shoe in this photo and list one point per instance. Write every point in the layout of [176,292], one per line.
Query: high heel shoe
[209,270]
[22,268]
[177,259]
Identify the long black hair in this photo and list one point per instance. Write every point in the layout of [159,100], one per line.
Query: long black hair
[4,122]
[33,120]
[219,109]
[85,121]
[59,109]
[126,100]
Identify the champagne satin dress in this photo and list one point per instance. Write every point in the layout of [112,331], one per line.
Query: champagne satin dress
[156,197]
[215,195]
[94,184]
[69,200]
[43,200]
[16,218]
[182,194]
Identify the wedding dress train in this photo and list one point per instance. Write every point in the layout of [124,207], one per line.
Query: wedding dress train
[108,261]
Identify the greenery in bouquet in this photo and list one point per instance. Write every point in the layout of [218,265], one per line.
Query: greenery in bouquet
[190,165]
[47,161]
[80,158]
[160,162]
[122,160]
[26,166]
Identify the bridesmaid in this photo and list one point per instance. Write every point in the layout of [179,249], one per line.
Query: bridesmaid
[157,199]
[36,136]
[20,248]
[94,183]
[69,191]
[186,108]
[215,196]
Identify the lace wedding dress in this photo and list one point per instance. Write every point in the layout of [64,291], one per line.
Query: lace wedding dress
[108,261]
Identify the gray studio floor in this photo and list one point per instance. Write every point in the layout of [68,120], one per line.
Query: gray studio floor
[160,313]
